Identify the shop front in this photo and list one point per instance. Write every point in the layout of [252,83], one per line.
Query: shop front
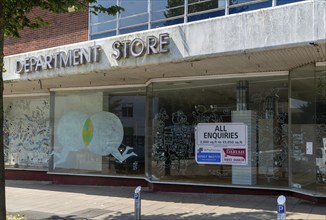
[161,108]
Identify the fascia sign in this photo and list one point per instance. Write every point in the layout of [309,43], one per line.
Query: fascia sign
[121,49]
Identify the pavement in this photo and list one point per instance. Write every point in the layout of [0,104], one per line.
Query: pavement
[47,201]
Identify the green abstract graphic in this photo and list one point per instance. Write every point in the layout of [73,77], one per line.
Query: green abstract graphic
[88,131]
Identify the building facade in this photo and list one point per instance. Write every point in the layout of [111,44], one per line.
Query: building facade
[177,95]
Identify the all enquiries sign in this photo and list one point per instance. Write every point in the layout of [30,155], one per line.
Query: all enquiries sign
[221,143]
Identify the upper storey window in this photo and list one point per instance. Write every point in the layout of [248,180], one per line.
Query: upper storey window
[148,14]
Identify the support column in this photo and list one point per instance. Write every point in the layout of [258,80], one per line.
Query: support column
[247,175]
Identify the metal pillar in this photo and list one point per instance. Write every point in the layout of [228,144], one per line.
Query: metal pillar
[185,18]
[137,203]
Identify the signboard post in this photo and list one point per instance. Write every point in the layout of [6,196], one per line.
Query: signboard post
[281,213]
[221,143]
[137,203]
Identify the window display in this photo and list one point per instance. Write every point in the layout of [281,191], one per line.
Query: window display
[27,132]
[260,103]
[93,135]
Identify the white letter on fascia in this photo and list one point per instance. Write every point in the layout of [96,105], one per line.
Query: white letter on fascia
[27,65]
[19,67]
[55,60]
[96,57]
[40,63]
[164,40]
[85,55]
[48,61]
[65,59]
[76,57]
[137,42]
[125,48]
[42,58]
[151,42]
[33,61]
[116,47]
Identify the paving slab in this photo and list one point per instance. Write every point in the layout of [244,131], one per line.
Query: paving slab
[47,201]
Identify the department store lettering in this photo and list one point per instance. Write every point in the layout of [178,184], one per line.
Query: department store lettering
[138,47]
[80,56]
[60,59]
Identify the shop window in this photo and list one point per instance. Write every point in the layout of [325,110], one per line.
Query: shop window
[91,135]
[261,103]
[308,129]
[127,110]
[26,131]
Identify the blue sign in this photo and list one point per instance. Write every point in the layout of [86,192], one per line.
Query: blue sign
[280,208]
[136,196]
[203,157]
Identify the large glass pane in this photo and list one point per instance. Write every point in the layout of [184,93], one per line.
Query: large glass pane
[174,8]
[133,29]
[131,111]
[168,22]
[169,10]
[308,129]
[107,34]
[200,5]
[102,22]
[234,2]
[259,102]
[27,132]
[158,9]
[100,132]
[206,15]
[133,21]
[198,9]
[283,2]
[248,7]
[103,27]
[132,7]
[136,10]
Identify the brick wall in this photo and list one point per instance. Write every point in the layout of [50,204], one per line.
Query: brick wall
[62,29]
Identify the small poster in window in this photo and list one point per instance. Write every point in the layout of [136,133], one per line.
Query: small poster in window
[309,148]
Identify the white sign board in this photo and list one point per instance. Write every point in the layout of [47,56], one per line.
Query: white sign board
[221,143]
[222,134]
[309,148]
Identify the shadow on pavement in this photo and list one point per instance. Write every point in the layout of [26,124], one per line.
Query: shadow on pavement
[186,216]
